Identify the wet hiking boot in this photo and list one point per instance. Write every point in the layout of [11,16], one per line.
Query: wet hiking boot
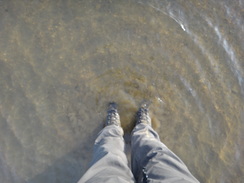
[113,115]
[143,115]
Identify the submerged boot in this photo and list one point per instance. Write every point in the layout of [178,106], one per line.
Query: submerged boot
[113,115]
[143,115]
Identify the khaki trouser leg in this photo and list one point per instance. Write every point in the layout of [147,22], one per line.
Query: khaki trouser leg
[109,163]
[152,161]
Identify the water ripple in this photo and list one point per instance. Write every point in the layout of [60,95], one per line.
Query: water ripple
[233,62]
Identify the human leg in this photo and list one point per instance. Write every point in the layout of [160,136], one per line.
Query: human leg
[109,163]
[152,161]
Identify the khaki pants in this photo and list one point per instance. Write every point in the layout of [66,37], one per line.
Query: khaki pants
[151,160]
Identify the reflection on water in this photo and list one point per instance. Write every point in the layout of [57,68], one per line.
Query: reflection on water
[61,62]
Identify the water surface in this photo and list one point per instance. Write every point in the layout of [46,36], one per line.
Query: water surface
[61,62]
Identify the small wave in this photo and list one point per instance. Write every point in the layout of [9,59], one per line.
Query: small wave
[193,93]
[233,62]
[170,14]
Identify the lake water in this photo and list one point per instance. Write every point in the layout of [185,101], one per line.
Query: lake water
[62,61]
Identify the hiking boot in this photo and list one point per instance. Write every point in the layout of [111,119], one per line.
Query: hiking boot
[143,115]
[113,115]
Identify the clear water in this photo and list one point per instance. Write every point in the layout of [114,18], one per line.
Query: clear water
[62,61]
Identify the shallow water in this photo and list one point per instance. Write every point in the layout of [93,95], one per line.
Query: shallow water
[61,62]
